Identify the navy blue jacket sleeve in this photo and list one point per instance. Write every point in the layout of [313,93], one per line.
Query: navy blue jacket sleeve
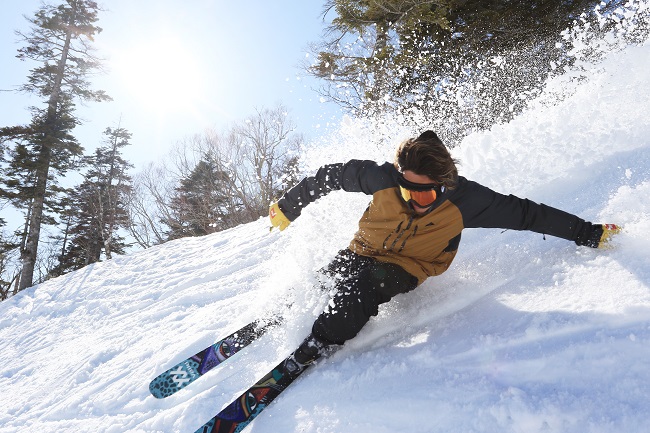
[483,207]
[367,177]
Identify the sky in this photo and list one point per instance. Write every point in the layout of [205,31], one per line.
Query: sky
[177,68]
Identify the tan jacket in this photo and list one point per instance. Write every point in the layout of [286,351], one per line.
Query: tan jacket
[424,245]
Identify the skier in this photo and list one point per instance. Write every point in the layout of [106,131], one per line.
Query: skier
[409,232]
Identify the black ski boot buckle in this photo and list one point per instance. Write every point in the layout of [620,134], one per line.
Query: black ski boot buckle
[292,367]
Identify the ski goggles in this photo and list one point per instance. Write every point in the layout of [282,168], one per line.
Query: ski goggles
[422,194]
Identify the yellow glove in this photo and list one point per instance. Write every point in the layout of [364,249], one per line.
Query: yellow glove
[278,218]
[609,230]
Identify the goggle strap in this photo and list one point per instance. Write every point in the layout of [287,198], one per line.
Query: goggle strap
[416,186]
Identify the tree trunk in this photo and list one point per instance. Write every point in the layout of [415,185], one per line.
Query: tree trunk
[28,253]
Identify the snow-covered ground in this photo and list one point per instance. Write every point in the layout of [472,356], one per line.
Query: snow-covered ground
[522,334]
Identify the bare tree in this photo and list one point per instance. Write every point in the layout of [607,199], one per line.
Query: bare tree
[145,205]
[214,181]
[268,146]
[9,266]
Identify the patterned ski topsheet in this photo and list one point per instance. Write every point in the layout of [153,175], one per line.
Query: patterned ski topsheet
[243,410]
[187,371]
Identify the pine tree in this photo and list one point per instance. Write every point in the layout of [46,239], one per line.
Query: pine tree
[98,206]
[59,42]
[203,202]
[400,53]
[109,171]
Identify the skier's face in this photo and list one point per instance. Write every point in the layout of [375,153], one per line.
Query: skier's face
[423,193]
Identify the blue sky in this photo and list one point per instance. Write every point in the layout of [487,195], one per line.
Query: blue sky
[214,62]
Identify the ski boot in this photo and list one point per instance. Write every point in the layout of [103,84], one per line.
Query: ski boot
[309,351]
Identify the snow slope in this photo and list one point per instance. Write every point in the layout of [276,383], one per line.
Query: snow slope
[522,334]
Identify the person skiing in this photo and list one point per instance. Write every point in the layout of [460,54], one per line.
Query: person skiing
[410,231]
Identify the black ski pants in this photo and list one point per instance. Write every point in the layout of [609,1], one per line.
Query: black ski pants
[362,284]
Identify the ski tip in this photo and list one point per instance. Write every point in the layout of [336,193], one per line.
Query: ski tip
[155,391]
[160,388]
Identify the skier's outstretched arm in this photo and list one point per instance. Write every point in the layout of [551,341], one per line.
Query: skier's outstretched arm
[353,176]
[488,208]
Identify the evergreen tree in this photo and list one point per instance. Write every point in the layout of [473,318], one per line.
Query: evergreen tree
[109,173]
[97,208]
[203,202]
[59,42]
[383,54]
[20,176]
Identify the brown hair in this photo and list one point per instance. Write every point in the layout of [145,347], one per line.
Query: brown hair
[427,155]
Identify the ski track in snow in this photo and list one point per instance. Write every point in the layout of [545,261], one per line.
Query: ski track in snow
[522,334]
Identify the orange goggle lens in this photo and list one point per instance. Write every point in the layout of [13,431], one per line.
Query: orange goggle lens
[421,198]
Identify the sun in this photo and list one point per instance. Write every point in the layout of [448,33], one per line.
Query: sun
[160,74]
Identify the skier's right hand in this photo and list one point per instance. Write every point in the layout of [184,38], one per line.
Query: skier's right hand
[278,218]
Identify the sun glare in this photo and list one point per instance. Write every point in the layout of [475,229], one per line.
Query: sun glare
[160,74]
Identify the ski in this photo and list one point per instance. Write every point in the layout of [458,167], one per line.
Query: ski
[187,371]
[245,408]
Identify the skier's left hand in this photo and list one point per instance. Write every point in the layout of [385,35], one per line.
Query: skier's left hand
[598,235]
[609,230]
